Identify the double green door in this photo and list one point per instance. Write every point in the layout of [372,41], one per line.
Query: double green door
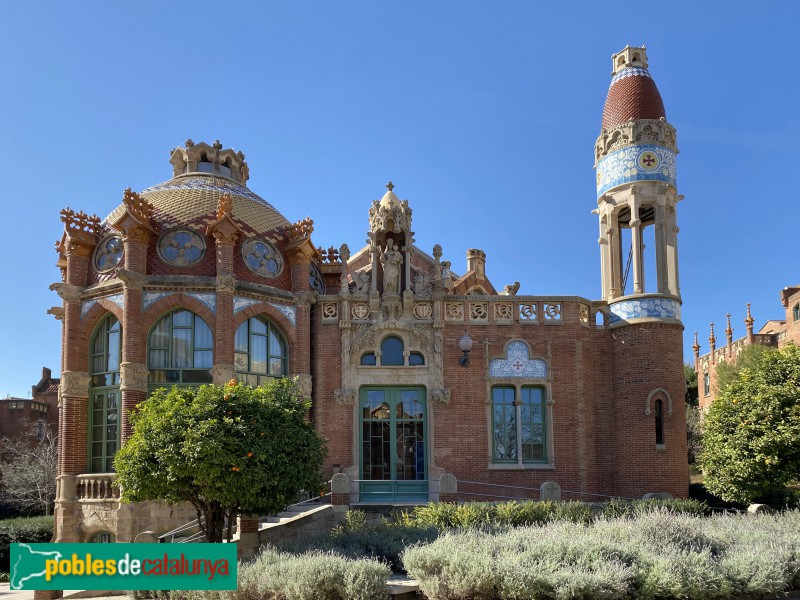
[393,444]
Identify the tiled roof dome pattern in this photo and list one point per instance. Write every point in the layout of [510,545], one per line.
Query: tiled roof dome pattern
[633,95]
[190,197]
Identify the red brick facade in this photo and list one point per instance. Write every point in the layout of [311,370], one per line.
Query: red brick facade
[549,392]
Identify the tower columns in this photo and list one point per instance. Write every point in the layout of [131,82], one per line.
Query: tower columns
[636,246]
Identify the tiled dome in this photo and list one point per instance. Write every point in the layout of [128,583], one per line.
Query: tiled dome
[633,95]
[194,197]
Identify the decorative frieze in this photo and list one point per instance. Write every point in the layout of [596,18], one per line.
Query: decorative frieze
[478,311]
[330,311]
[635,163]
[454,311]
[503,311]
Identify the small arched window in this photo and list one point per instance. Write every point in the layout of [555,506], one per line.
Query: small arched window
[415,359]
[392,351]
[260,352]
[368,359]
[796,312]
[180,350]
[659,412]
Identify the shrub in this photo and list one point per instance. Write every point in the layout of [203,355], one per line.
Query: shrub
[655,554]
[23,529]
[445,515]
[626,508]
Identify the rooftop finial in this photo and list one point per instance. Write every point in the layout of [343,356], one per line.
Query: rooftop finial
[749,320]
[728,328]
[390,185]
[696,345]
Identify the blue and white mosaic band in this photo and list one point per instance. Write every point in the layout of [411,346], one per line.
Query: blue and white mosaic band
[148,298]
[645,308]
[86,306]
[207,298]
[636,163]
[239,303]
[630,72]
[518,363]
[290,312]
[117,299]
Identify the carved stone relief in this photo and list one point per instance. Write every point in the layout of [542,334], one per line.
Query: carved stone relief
[423,310]
[454,311]
[503,311]
[75,384]
[478,311]
[330,310]
[344,397]
[133,376]
[304,384]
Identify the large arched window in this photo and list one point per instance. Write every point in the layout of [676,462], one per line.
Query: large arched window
[180,350]
[260,352]
[104,396]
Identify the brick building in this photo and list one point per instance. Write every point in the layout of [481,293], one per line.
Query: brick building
[417,375]
[20,418]
[775,333]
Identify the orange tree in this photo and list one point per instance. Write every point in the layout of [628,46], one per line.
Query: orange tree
[228,450]
[751,433]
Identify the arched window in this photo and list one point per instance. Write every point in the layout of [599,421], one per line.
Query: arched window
[260,352]
[706,384]
[180,350]
[392,351]
[659,410]
[368,359]
[104,395]
[796,312]
[415,359]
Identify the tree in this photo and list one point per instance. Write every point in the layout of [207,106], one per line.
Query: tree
[728,371]
[694,433]
[751,439]
[228,450]
[29,470]
[690,375]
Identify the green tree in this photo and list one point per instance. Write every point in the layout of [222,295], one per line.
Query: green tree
[694,433]
[691,395]
[728,372]
[228,450]
[751,441]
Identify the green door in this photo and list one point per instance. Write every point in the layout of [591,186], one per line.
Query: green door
[393,445]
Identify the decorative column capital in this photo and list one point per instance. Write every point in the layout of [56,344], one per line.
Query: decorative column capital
[74,384]
[344,397]
[226,283]
[131,279]
[133,377]
[222,373]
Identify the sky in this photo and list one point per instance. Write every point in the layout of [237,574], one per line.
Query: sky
[483,114]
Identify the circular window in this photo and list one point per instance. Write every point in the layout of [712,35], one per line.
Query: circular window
[181,248]
[315,280]
[108,254]
[262,258]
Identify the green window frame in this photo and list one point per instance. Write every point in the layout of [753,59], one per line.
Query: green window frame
[180,350]
[260,352]
[104,395]
[519,424]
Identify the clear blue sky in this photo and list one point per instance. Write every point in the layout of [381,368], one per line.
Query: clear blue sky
[484,115]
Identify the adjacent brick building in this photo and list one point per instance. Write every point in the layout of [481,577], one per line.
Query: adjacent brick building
[775,333]
[417,375]
[31,418]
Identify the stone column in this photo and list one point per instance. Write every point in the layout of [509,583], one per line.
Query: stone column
[224,333]
[605,259]
[615,250]
[661,245]
[636,246]
[672,253]
[133,369]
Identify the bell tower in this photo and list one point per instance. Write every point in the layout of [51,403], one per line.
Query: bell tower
[637,196]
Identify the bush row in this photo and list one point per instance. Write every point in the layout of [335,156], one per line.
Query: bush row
[22,529]
[276,575]
[654,554]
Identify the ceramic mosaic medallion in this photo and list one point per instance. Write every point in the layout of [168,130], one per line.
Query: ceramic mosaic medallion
[108,254]
[181,248]
[262,258]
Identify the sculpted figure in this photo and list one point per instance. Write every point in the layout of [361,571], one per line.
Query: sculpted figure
[391,261]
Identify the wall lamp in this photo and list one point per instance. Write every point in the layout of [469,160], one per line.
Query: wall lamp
[465,343]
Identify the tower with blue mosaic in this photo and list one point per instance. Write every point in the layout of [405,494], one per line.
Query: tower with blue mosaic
[637,196]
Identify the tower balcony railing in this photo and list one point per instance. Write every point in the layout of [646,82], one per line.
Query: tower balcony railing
[97,486]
